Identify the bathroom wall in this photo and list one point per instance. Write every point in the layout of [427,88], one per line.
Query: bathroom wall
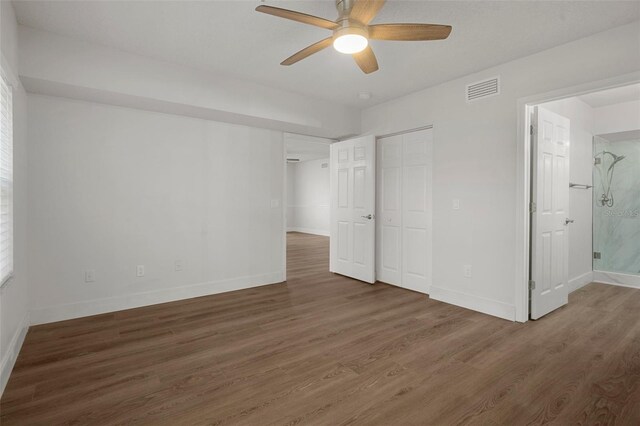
[616,227]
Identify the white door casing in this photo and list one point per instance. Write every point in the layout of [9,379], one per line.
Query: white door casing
[404,209]
[550,193]
[352,229]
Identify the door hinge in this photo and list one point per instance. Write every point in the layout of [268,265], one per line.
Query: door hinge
[532,285]
[532,129]
[532,207]
[596,255]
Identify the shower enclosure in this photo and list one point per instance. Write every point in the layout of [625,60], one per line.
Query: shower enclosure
[616,207]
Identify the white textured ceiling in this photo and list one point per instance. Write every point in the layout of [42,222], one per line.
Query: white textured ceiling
[230,38]
[614,96]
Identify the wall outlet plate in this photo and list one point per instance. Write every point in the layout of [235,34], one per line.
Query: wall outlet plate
[140,271]
[178,265]
[467,271]
[89,276]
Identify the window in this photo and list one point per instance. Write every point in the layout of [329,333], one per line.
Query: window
[6,182]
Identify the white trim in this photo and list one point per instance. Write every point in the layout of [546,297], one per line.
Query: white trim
[522,178]
[111,304]
[403,132]
[476,303]
[615,278]
[580,281]
[12,352]
[312,231]
[285,201]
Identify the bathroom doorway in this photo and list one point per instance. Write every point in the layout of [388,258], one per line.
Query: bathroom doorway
[595,234]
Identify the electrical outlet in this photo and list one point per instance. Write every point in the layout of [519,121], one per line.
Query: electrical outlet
[89,276]
[140,271]
[179,265]
[467,271]
[456,204]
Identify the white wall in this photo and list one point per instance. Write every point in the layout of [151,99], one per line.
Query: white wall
[111,188]
[290,212]
[616,118]
[581,117]
[51,64]
[308,201]
[14,318]
[475,160]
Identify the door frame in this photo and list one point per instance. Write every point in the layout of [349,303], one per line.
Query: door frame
[285,201]
[525,106]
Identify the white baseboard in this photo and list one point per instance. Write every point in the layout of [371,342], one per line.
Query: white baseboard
[67,311]
[309,231]
[9,359]
[580,281]
[475,303]
[614,278]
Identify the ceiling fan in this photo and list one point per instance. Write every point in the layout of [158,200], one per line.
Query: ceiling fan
[352,32]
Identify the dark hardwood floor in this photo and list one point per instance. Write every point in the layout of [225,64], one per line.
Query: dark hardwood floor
[328,350]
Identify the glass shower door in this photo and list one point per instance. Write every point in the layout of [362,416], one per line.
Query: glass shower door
[616,205]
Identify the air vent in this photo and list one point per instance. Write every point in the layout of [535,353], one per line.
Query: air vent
[483,89]
[292,160]
[324,165]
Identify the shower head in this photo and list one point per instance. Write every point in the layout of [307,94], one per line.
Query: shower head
[599,157]
[617,158]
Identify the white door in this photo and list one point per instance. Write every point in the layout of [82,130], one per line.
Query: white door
[353,184]
[549,219]
[404,209]
[416,215]
[389,210]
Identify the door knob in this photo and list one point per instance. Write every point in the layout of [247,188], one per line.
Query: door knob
[369,216]
[568,221]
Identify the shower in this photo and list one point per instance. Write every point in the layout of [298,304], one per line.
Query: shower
[606,199]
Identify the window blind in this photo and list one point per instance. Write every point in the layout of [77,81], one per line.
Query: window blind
[6,182]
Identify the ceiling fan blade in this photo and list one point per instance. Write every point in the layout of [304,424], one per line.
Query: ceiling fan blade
[308,51]
[409,32]
[297,16]
[364,11]
[366,60]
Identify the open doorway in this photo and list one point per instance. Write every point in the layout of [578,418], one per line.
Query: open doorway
[585,196]
[307,204]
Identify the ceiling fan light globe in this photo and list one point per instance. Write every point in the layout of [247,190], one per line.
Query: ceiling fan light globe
[350,43]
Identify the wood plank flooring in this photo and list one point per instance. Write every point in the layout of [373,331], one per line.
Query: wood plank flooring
[327,350]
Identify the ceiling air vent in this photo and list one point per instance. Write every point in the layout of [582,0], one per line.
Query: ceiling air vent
[483,89]
[324,165]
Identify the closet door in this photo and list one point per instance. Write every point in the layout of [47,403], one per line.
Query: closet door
[404,230]
[389,210]
[416,210]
